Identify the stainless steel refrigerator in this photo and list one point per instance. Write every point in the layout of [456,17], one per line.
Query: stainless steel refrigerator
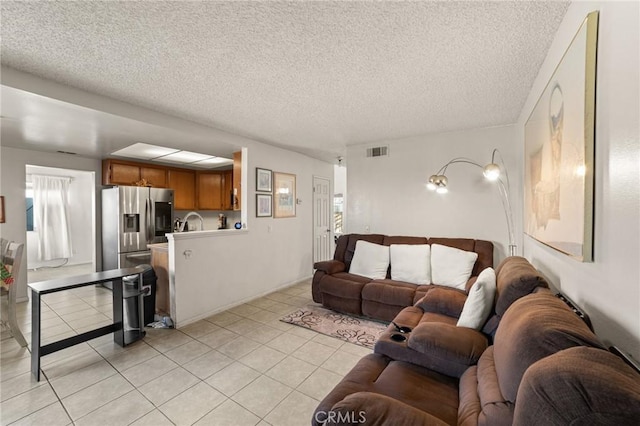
[133,217]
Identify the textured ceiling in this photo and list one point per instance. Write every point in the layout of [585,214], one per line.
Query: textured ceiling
[315,76]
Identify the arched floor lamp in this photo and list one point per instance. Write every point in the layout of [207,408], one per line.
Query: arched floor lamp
[492,172]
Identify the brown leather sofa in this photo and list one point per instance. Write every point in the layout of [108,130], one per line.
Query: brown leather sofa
[436,342]
[337,289]
[545,367]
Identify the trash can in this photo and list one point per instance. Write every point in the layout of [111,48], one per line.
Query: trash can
[149,284]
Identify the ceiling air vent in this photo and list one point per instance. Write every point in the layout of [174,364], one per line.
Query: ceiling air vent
[378,151]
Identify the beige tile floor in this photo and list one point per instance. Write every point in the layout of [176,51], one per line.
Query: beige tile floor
[239,367]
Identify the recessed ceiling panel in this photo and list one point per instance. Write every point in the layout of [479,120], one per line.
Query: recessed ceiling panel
[144,151]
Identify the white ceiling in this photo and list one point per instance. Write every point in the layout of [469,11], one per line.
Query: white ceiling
[310,76]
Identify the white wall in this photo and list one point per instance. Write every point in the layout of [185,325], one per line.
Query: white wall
[224,271]
[608,289]
[13,173]
[388,195]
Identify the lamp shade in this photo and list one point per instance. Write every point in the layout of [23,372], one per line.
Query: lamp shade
[491,171]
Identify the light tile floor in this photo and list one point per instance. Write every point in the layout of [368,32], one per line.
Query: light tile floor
[239,367]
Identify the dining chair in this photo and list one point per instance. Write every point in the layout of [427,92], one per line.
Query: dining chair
[12,257]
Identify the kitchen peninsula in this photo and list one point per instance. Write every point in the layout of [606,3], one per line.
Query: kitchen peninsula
[195,270]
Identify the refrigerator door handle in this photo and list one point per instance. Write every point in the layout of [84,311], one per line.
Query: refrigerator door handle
[152,220]
[147,216]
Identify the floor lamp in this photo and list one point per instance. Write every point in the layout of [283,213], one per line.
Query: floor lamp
[492,172]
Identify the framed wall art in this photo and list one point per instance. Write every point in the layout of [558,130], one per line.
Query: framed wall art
[2,220]
[263,205]
[559,151]
[263,180]
[284,194]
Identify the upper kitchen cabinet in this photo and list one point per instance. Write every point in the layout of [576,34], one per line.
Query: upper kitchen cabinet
[214,190]
[227,190]
[118,172]
[183,183]
[209,190]
[237,180]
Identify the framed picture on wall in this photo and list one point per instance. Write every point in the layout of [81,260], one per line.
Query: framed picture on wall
[284,193]
[559,151]
[1,209]
[263,180]
[263,205]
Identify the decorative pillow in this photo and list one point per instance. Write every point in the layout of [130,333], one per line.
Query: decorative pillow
[450,266]
[411,263]
[370,260]
[478,305]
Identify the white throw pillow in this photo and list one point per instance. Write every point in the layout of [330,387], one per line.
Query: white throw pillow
[370,260]
[478,305]
[450,266]
[411,263]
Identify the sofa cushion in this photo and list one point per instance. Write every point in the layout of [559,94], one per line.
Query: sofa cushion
[534,327]
[347,250]
[579,385]
[479,302]
[447,349]
[389,292]
[443,300]
[411,263]
[374,409]
[344,284]
[496,408]
[415,386]
[515,278]
[451,267]
[370,260]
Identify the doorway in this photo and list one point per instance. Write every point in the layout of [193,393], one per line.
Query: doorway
[322,224]
[53,252]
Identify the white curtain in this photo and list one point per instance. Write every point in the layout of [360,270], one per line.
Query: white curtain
[51,216]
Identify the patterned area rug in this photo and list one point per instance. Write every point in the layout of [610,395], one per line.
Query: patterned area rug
[356,330]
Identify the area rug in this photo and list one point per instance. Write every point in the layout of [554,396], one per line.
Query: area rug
[356,330]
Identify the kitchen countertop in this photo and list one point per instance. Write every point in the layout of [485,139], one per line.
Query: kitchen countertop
[205,234]
[160,246]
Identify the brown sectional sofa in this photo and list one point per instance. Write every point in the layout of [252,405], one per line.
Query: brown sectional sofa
[337,289]
[545,367]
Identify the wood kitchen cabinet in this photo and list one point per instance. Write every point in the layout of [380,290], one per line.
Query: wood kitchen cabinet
[117,172]
[237,180]
[183,183]
[214,190]
[209,190]
[227,190]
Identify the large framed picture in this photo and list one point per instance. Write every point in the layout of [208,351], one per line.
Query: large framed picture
[2,220]
[559,151]
[263,180]
[284,194]
[263,205]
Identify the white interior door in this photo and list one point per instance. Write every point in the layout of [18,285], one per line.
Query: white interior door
[322,225]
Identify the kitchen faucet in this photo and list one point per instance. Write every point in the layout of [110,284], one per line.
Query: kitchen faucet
[184,221]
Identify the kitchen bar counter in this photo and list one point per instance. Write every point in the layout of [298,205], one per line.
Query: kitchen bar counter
[195,266]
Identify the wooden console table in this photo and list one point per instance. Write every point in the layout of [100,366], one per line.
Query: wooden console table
[120,336]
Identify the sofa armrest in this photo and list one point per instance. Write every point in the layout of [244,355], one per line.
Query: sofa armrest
[374,409]
[441,300]
[330,266]
[459,346]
